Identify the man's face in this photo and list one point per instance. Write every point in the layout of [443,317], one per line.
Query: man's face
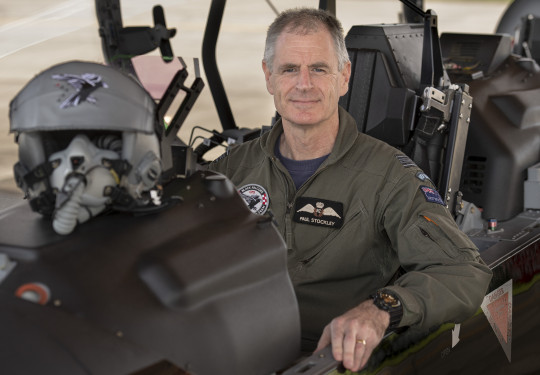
[305,80]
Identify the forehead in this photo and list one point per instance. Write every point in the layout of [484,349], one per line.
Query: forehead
[316,45]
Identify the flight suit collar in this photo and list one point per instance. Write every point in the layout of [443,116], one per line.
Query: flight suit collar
[347,134]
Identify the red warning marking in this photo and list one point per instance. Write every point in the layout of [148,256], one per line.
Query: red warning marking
[498,310]
[33,292]
[497,306]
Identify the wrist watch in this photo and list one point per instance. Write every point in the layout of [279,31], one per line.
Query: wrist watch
[387,301]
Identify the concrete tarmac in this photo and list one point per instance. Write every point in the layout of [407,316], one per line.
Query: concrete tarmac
[35,35]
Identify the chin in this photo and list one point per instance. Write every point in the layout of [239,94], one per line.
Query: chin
[303,120]
[302,117]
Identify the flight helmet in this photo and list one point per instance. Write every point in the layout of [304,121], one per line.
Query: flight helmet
[87,141]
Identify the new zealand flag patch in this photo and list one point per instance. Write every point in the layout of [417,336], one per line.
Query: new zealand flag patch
[431,195]
[320,212]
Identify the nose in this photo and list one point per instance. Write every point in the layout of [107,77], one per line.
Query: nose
[304,79]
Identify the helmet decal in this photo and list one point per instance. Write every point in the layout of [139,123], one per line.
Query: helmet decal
[84,85]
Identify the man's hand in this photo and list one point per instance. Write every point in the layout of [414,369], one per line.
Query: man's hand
[355,334]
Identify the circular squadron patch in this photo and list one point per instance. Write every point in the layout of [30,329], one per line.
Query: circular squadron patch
[256,198]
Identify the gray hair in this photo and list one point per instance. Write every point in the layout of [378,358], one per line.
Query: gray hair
[305,21]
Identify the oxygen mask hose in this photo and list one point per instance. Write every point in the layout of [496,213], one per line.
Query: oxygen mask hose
[68,205]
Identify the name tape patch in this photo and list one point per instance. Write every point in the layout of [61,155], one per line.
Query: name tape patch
[319,212]
[431,195]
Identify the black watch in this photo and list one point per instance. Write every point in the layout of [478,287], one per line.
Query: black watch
[387,301]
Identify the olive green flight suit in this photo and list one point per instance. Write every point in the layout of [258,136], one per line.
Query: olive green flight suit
[365,212]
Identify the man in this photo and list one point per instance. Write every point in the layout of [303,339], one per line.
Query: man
[352,210]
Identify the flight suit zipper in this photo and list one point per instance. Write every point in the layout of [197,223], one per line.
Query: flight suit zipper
[290,213]
[290,203]
[425,234]
[288,225]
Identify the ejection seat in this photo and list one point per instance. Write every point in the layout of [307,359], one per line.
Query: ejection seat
[400,93]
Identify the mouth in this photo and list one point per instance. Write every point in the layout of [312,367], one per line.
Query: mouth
[303,102]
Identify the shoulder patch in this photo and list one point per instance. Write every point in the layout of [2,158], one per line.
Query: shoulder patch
[319,212]
[431,195]
[256,198]
[423,177]
[405,160]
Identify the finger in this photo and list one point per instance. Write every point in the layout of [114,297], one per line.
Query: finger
[360,355]
[349,349]
[324,341]
[367,353]
[337,337]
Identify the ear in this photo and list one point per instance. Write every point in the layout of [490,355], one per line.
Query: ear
[345,77]
[267,75]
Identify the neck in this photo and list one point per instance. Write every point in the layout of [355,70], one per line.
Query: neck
[306,142]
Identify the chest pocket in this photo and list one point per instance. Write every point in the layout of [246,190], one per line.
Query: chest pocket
[312,239]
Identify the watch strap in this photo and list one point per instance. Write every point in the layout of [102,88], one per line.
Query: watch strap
[389,302]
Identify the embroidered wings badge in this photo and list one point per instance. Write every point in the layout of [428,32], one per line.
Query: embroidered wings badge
[319,210]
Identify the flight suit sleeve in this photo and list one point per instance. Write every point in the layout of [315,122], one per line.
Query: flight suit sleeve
[446,279]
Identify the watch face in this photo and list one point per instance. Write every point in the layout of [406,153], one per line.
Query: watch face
[390,300]
[392,305]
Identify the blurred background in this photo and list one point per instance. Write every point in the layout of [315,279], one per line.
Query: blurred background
[35,35]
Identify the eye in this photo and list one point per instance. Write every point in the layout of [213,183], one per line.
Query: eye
[289,70]
[318,70]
